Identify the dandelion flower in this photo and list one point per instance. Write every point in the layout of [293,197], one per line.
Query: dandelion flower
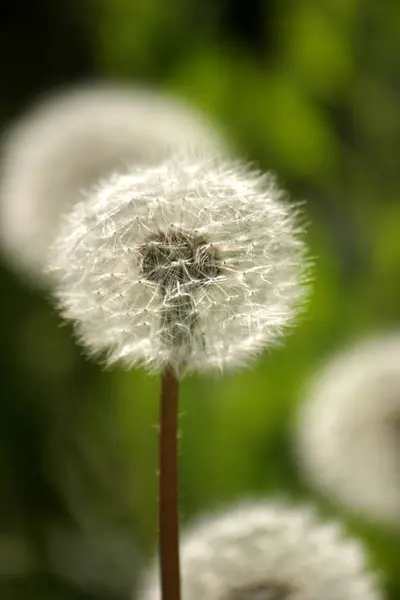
[195,264]
[348,429]
[70,139]
[269,551]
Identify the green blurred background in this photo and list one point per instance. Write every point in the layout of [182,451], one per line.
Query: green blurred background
[308,89]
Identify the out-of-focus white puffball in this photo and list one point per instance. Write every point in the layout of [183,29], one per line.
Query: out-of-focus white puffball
[269,551]
[348,431]
[69,140]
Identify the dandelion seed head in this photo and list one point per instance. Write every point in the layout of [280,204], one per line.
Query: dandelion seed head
[269,551]
[263,591]
[178,257]
[197,264]
[347,439]
[70,139]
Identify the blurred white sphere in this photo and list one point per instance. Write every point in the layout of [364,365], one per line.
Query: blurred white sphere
[69,140]
[348,432]
[269,551]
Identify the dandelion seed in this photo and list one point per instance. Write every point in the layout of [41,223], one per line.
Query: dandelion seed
[348,439]
[72,138]
[196,264]
[269,551]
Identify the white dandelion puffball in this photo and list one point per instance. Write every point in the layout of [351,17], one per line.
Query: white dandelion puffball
[348,431]
[71,138]
[195,264]
[269,551]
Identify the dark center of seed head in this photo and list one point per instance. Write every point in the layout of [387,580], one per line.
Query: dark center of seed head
[178,257]
[262,591]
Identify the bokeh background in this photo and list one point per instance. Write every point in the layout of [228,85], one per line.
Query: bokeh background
[307,89]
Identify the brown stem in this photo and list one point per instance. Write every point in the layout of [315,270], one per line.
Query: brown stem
[168,488]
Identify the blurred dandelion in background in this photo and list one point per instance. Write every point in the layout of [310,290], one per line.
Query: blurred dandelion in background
[196,264]
[269,550]
[70,139]
[348,430]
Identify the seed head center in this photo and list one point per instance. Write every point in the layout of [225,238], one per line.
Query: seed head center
[262,591]
[178,257]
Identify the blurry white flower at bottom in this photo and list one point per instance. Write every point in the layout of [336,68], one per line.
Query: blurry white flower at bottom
[96,560]
[348,430]
[68,140]
[269,551]
[197,263]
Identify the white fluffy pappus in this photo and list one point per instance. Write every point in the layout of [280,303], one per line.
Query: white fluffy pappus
[348,429]
[269,551]
[67,141]
[196,264]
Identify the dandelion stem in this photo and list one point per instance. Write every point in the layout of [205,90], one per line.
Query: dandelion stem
[168,488]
